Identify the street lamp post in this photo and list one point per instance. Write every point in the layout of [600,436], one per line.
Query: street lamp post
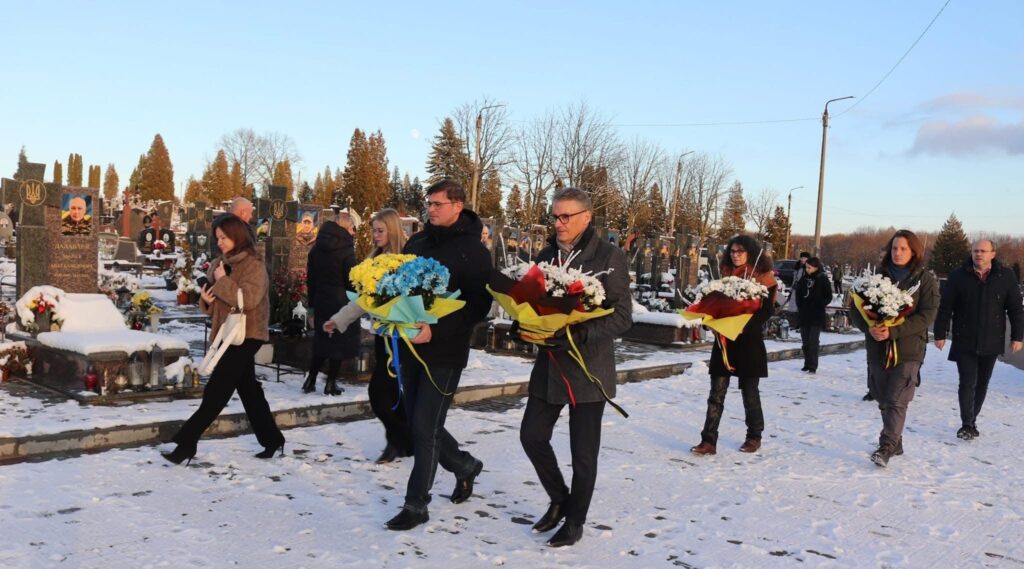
[821,175]
[675,193]
[476,161]
[789,219]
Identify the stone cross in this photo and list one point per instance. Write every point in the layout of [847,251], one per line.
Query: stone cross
[280,213]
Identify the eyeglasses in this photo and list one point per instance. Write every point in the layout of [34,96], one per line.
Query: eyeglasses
[737,251]
[437,204]
[565,217]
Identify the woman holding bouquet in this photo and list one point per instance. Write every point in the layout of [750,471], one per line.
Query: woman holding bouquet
[745,357]
[383,389]
[895,352]
[238,268]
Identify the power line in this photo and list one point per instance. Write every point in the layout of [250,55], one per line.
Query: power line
[897,64]
[729,123]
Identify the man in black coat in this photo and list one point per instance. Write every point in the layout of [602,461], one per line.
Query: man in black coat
[557,380]
[813,295]
[978,296]
[451,236]
[327,270]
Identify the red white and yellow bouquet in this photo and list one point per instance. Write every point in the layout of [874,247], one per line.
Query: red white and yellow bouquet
[547,298]
[726,305]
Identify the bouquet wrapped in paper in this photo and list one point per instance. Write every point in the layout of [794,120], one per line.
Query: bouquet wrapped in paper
[726,305]
[399,291]
[881,303]
[547,298]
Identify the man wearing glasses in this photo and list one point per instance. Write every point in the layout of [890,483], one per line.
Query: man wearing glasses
[451,236]
[557,380]
[978,296]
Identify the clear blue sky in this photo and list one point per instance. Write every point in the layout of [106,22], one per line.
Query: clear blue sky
[944,133]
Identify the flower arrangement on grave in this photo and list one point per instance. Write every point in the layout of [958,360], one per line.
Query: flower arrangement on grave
[288,289]
[5,316]
[15,359]
[140,311]
[108,282]
[545,299]
[398,291]
[39,309]
[882,303]
[158,246]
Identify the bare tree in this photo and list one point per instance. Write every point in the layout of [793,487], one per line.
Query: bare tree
[584,138]
[532,155]
[634,175]
[258,154]
[495,134]
[760,207]
[705,181]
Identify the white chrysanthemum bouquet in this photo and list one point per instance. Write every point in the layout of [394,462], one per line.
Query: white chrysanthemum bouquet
[880,301]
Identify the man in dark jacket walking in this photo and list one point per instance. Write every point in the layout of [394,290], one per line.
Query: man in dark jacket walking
[557,380]
[451,236]
[978,297]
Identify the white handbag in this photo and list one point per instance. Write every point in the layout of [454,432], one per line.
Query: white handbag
[231,333]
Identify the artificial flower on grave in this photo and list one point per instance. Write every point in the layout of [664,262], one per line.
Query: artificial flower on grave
[15,359]
[546,298]
[140,311]
[159,245]
[286,291]
[398,291]
[40,304]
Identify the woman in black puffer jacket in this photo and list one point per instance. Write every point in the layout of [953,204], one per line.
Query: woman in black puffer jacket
[813,294]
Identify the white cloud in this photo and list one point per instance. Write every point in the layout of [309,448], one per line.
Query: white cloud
[972,135]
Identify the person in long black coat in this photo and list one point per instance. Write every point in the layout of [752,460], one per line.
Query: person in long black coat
[748,358]
[327,269]
[813,295]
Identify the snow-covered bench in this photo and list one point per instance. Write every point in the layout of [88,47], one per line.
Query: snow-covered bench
[93,334]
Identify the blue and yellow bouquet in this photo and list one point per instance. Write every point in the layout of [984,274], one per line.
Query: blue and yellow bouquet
[399,291]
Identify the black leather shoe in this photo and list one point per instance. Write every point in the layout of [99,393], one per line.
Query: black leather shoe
[331,388]
[550,519]
[464,486]
[965,433]
[389,454]
[881,456]
[310,385]
[180,454]
[868,397]
[566,535]
[406,520]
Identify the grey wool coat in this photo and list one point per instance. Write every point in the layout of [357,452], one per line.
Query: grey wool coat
[595,338]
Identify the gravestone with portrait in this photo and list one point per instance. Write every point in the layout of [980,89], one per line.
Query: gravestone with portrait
[282,216]
[168,237]
[199,219]
[303,236]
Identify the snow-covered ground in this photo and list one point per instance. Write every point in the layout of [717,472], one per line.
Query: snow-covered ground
[811,497]
[22,416]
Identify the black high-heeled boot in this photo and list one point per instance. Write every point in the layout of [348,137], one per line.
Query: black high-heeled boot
[331,387]
[269,452]
[180,454]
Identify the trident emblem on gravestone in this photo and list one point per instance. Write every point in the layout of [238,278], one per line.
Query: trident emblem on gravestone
[277,209]
[33,192]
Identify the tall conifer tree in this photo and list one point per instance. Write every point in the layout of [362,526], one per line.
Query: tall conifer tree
[283,177]
[58,173]
[94,176]
[157,172]
[951,247]
[217,180]
[489,200]
[514,207]
[194,192]
[111,183]
[448,157]
[734,214]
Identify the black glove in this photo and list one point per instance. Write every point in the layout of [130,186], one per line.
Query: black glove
[560,341]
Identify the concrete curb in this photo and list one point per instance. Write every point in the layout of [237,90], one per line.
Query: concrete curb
[85,441]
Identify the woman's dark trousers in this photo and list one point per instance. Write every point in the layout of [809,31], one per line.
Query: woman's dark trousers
[810,336]
[584,443]
[235,370]
[751,407]
[383,392]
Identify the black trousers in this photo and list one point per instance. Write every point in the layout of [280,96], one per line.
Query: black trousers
[584,443]
[235,370]
[383,392]
[975,373]
[893,389]
[753,414]
[810,337]
[432,443]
